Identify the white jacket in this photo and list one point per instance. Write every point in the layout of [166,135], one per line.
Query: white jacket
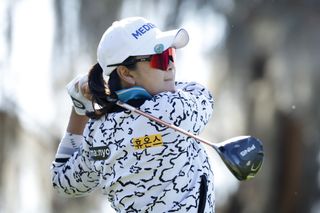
[141,165]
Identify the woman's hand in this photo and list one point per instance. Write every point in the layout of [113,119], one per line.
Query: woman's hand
[79,92]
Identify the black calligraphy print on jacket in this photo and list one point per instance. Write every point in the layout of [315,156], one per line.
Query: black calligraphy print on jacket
[145,166]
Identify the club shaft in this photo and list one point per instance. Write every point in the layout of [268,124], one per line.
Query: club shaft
[164,123]
[240,172]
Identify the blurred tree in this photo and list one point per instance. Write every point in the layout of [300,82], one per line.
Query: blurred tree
[273,54]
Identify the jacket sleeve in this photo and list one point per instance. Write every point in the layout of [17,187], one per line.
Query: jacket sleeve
[71,172]
[189,108]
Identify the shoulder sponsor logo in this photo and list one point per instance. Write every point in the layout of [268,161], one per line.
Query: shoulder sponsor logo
[147,141]
[99,153]
[142,30]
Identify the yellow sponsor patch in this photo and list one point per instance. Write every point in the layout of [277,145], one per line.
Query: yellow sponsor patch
[147,141]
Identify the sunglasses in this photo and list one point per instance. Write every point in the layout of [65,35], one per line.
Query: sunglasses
[157,61]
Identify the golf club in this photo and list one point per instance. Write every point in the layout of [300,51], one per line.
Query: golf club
[243,155]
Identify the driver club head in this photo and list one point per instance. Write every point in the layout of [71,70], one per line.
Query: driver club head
[243,156]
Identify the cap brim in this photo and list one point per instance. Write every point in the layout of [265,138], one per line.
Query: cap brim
[174,38]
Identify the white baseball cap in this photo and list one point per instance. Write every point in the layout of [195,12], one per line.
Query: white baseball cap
[135,36]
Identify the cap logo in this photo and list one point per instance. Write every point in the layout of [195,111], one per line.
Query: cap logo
[142,30]
[158,48]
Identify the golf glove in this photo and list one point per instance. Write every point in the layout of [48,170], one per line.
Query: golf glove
[81,104]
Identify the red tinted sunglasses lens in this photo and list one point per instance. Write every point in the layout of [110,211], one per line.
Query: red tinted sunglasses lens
[161,61]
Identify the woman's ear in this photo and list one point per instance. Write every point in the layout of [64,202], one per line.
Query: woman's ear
[125,76]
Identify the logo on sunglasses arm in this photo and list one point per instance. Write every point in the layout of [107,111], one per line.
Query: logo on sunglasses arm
[158,48]
[142,30]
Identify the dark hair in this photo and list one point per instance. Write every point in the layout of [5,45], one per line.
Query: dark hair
[102,90]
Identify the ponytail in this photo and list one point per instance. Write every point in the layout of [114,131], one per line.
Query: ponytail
[100,91]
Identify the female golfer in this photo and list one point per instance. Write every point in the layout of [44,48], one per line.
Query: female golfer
[141,166]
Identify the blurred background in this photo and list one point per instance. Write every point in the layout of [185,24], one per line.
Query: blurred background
[260,59]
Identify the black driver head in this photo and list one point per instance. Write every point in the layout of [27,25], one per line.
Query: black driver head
[243,156]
